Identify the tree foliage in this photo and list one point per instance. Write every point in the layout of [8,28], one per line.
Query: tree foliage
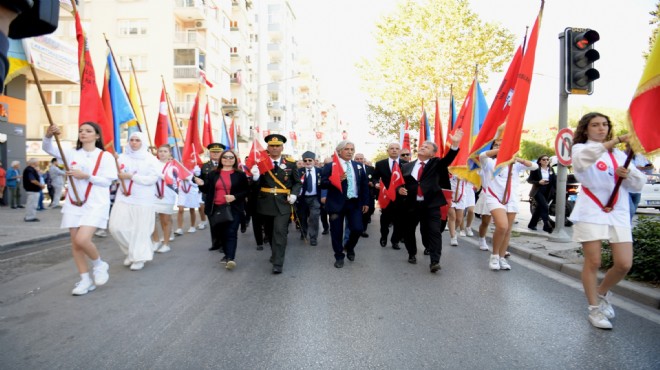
[423,48]
[654,35]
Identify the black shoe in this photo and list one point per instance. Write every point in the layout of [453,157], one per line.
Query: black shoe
[427,252]
[383,242]
[435,267]
[260,247]
[412,260]
[32,220]
[395,246]
[568,223]
[243,229]
[14,207]
[214,248]
[224,259]
[277,270]
[302,237]
[325,232]
[532,228]
[20,206]
[313,243]
[364,235]
[339,264]
[547,229]
[351,257]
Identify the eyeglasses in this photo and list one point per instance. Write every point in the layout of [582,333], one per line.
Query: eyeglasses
[405,154]
[544,159]
[308,160]
[228,157]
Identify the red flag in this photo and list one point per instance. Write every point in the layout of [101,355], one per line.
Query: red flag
[395,181]
[422,128]
[437,133]
[175,171]
[264,164]
[383,199]
[163,123]
[255,153]
[644,108]
[406,137]
[464,121]
[91,107]
[514,122]
[337,172]
[202,77]
[232,134]
[207,137]
[192,148]
[108,130]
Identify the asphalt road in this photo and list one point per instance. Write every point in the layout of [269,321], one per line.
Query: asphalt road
[185,311]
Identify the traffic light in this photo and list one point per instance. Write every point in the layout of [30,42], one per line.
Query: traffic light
[580,56]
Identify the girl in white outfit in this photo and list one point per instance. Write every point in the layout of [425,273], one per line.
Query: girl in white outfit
[165,200]
[189,197]
[91,170]
[132,219]
[598,165]
[458,204]
[502,202]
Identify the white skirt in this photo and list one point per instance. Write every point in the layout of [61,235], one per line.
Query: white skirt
[492,203]
[469,196]
[166,209]
[190,199]
[586,232]
[96,217]
[480,207]
[131,226]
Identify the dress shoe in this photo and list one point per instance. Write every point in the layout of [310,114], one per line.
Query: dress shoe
[395,246]
[547,229]
[364,235]
[383,242]
[568,223]
[214,248]
[19,206]
[412,260]
[339,264]
[325,232]
[277,270]
[260,247]
[243,229]
[313,243]
[351,257]
[435,267]
[532,227]
[427,252]
[32,220]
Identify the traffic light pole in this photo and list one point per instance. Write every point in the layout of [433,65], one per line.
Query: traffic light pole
[559,234]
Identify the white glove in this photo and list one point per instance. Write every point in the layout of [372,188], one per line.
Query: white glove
[255,172]
[197,171]
[292,198]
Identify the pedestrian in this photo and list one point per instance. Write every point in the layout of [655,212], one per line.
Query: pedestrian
[598,165]
[544,182]
[226,188]
[215,150]
[309,203]
[165,203]
[33,187]
[425,178]
[132,218]
[3,184]
[277,194]
[91,171]
[502,205]
[57,177]
[43,180]
[348,203]
[14,185]
[390,215]
[373,193]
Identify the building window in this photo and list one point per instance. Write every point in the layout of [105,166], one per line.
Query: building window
[53,97]
[139,62]
[132,27]
[184,57]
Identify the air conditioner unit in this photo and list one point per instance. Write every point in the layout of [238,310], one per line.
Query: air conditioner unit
[200,24]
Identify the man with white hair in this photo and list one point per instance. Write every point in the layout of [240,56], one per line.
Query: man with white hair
[33,187]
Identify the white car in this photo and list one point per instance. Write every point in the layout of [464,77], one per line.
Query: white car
[651,192]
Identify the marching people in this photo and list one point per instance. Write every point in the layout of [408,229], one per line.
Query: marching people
[215,150]
[390,215]
[165,202]
[543,181]
[188,197]
[309,203]
[277,194]
[226,188]
[373,193]
[348,203]
[458,204]
[132,218]
[57,177]
[598,165]
[91,171]
[502,201]
[465,225]
[424,179]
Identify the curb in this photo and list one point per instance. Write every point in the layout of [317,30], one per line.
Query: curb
[6,247]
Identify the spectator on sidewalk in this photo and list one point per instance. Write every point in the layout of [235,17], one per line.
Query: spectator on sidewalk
[57,177]
[33,187]
[43,180]
[3,184]
[14,185]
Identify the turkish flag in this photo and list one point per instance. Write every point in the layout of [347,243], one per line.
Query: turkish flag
[163,123]
[207,137]
[395,181]
[383,199]
[192,148]
[175,171]
[337,172]
[265,164]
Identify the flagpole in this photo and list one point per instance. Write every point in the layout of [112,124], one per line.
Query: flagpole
[112,54]
[57,138]
[172,117]
[615,192]
[144,116]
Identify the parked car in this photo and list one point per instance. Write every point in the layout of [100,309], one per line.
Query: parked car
[651,192]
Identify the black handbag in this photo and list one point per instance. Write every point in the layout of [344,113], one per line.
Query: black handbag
[222,212]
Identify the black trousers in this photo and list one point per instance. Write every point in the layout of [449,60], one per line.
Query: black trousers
[392,215]
[430,228]
[541,211]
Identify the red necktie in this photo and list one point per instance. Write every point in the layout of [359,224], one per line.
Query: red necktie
[419,179]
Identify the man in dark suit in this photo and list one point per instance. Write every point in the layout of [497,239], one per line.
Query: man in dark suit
[349,202]
[424,180]
[366,217]
[390,215]
[309,203]
[215,150]
[277,194]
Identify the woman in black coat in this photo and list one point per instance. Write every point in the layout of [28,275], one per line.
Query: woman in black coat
[226,185]
[544,181]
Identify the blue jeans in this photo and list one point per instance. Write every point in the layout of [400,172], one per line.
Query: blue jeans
[634,201]
[229,234]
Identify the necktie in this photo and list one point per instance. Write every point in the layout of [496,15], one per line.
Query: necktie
[350,192]
[274,166]
[419,179]
[308,181]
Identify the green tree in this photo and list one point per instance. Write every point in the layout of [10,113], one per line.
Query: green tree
[423,47]
[654,35]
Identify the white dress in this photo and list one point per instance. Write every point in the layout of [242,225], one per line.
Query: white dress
[165,194]
[459,200]
[189,196]
[496,194]
[95,210]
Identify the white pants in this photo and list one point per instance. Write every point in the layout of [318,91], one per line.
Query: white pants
[131,226]
[31,205]
[57,194]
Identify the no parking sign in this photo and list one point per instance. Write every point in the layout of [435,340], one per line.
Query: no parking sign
[563,144]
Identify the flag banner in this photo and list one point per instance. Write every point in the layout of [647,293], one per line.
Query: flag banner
[396,180]
[383,199]
[256,153]
[233,135]
[645,108]
[192,147]
[514,122]
[207,136]
[173,172]
[163,122]
[122,111]
[406,137]
[224,134]
[464,121]
[337,172]
[451,122]
[424,130]
[133,97]
[437,132]
[109,130]
[18,60]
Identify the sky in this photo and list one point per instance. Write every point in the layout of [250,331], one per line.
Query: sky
[336,34]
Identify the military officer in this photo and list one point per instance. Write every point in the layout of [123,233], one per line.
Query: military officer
[278,189]
[215,151]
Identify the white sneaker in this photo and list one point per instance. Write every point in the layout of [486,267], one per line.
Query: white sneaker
[83,287]
[598,319]
[101,275]
[461,233]
[164,249]
[127,262]
[178,232]
[136,266]
[494,262]
[101,233]
[483,245]
[469,232]
[453,242]
[192,229]
[202,225]
[504,265]
[172,237]
[605,306]
[155,246]
[230,265]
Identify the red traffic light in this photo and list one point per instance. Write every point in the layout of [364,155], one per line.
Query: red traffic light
[584,39]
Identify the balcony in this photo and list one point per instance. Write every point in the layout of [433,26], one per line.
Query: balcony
[274,87]
[275,31]
[230,106]
[275,70]
[189,39]
[275,107]
[275,51]
[189,9]
[190,73]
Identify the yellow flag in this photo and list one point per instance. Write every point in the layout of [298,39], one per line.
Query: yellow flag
[135,103]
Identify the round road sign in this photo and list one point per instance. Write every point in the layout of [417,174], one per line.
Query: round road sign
[563,144]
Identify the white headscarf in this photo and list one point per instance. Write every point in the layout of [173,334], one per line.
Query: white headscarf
[143,151]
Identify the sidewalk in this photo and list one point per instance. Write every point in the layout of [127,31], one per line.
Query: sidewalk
[525,243]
